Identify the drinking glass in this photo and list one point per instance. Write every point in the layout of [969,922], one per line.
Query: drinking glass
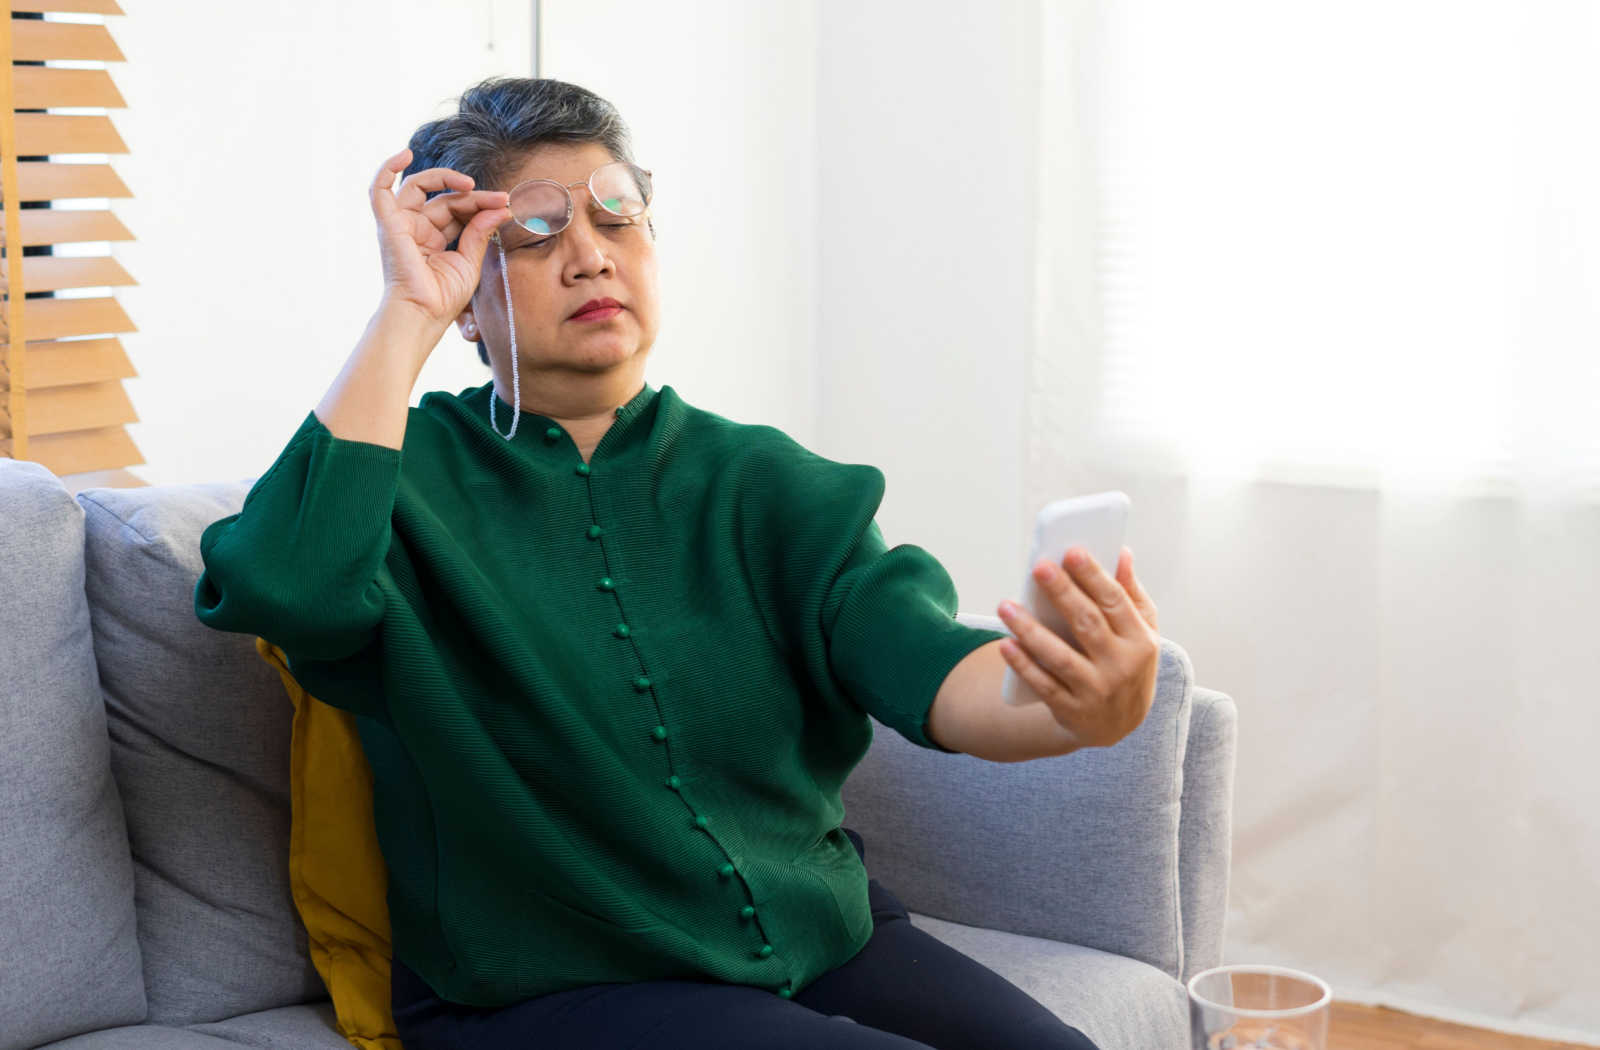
[1256,1007]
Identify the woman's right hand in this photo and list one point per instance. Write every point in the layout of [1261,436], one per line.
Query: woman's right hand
[413,231]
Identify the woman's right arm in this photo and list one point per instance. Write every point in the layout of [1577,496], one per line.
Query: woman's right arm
[371,397]
[299,564]
[424,288]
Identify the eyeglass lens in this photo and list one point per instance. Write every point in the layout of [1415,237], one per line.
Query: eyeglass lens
[543,206]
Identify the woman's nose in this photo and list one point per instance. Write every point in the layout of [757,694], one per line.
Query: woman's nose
[584,235]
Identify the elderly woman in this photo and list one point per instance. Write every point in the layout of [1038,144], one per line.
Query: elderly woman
[614,655]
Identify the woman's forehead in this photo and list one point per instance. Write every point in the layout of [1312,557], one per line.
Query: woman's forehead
[565,165]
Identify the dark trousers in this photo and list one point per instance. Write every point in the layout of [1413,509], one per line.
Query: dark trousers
[906,990]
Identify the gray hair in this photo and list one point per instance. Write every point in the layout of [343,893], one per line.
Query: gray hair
[501,119]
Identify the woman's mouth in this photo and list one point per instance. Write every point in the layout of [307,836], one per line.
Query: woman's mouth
[599,314]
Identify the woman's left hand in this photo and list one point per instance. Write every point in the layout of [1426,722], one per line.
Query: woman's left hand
[1101,682]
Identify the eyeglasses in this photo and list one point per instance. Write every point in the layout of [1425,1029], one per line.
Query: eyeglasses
[545,206]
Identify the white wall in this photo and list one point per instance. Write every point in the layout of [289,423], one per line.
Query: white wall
[254,134]
[925,278]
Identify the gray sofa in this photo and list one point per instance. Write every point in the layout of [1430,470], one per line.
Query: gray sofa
[144,894]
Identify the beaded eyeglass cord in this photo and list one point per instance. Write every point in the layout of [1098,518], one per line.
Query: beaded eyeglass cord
[511,323]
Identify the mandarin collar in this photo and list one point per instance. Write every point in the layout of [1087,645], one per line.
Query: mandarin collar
[541,431]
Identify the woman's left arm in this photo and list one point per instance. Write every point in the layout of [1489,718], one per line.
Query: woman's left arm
[1095,691]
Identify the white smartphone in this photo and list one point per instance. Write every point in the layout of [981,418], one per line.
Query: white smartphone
[1097,523]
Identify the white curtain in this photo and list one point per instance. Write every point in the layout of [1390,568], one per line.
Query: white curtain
[1318,285]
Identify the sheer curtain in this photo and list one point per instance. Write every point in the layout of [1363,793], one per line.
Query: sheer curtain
[1318,285]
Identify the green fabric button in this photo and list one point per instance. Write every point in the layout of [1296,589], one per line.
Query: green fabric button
[673,782]
[641,683]
[622,630]
[594,532]
[766,950]
[583,470]
[659,732]
[725,870]
[746,911]
[701,821]
[553,434]
[785,992]
[605,583]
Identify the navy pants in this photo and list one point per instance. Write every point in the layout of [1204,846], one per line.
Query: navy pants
[906,990]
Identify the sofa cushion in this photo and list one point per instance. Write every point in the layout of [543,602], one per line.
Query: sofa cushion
[1119,1003]
[305,1027]
[67,937]
[337,870]
[143,1037]
[200,749]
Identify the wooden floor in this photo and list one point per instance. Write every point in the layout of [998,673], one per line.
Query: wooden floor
[1353,1027]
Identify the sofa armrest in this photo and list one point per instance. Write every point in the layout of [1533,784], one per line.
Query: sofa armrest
[1205,831]
[1081,848]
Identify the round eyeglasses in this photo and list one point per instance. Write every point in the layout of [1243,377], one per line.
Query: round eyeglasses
[545,206]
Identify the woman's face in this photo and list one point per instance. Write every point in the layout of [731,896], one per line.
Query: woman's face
[598,255]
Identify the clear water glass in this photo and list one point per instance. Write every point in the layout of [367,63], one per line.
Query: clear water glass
[1257,1007]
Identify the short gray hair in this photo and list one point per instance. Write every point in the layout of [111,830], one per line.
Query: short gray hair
[500,120]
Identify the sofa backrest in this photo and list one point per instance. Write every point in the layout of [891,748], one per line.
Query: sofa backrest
[200,729]
[148,816]
[67,938]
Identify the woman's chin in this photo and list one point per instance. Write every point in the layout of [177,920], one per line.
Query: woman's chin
[604,353]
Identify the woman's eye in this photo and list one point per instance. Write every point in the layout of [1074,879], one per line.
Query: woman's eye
[603,225]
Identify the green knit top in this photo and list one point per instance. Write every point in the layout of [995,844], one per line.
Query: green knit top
[608,707]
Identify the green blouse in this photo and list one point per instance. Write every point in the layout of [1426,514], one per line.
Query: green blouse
[608,707]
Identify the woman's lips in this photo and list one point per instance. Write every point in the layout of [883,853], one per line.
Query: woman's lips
[597,315]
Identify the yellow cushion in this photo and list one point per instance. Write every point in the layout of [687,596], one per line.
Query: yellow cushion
[336,868]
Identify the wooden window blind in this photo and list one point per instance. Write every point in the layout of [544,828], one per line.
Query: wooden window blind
[62,367]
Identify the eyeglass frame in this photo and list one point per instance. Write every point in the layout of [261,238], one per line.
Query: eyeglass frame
[571,202]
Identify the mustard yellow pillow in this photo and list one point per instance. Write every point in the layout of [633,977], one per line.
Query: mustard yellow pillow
[336,868]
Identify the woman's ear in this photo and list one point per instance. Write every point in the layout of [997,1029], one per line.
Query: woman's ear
[468,324]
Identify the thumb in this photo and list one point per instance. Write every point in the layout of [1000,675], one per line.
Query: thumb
[474,242]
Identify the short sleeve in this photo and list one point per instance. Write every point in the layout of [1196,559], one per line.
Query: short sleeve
[873,624]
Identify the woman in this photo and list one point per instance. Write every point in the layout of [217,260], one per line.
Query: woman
[615,655]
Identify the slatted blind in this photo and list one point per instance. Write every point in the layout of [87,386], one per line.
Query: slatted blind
[62,402]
